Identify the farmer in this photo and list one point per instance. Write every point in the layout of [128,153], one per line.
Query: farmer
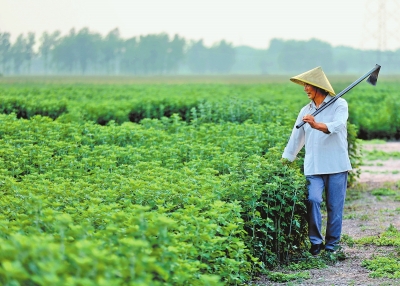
[326,162]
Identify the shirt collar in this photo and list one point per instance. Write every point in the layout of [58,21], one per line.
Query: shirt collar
[326,100]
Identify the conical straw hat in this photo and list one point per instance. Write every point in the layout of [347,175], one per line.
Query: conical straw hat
[315,77]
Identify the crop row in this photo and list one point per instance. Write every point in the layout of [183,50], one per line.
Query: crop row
[196,194]
[372,110]
[160,203]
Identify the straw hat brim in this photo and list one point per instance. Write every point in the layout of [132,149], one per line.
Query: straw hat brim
[315,77]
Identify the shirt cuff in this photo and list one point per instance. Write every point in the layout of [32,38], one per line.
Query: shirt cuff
[331,127]
[288,156]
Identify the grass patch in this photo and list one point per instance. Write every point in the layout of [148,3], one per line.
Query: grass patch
[373,141]
[384,192]
[383,267]
[347,239]
[297,270]
[286,277]
[380,155]
[307,263]
[350,216]
[355,193]
[391,237]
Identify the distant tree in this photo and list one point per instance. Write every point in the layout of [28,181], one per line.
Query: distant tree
[348,60]
[77,50]
[88,52]
[197,57]
[265,64]
[110,51]
[87,48]
[152,53]
[5,57]
[175,54]
[129,60]
[221,57]
[319,53]
[391,61]
[64,53]
[273,54]
[294,56]
[18,53]
[47,44]
[29,52]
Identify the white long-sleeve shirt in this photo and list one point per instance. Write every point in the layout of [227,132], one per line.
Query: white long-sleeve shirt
[324,153]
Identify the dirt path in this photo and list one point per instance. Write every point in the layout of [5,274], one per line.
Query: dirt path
[364,215]
[380,171]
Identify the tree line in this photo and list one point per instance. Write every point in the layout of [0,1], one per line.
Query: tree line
[87,52]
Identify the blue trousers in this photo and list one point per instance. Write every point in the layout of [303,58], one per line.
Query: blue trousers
[334,186]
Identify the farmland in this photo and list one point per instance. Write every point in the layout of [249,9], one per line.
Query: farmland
[158,181]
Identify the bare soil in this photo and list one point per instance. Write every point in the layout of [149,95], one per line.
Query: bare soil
[364,215]
[380,171]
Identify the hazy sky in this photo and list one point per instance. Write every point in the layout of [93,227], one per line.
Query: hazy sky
[248,22]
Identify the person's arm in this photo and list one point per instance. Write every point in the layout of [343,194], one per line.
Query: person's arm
[341,114]
[316,125]
[296,141]
[340,117]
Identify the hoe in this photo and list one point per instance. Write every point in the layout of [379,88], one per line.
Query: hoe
[373,78]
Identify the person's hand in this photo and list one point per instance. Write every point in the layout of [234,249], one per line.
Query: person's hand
[316,125]
[310,120]
[285,161]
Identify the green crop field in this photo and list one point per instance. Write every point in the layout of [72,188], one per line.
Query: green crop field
[158,181]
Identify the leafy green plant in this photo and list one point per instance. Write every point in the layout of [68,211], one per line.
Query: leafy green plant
[286,277]
[347,240]
[383,267]
[391,237]
[166,185]
[306,263]
[381,155]
[186,199]
[385,192]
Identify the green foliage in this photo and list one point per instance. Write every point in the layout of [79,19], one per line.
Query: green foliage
[354,152]
[347,240]
[195,104]
[383,267]
[286,277]
[381,155]
[166,185]
[391,237]
[331,258]
[376,113]
[307,263]
[384,192]
[386,267]
[120,103]
[164,201]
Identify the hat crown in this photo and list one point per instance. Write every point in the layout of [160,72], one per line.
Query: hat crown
[315,77]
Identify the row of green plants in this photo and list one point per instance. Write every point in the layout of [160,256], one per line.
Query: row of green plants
[163,202]
[372,110]
[197,195]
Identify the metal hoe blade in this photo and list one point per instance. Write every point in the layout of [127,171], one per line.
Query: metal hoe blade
[373,78]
